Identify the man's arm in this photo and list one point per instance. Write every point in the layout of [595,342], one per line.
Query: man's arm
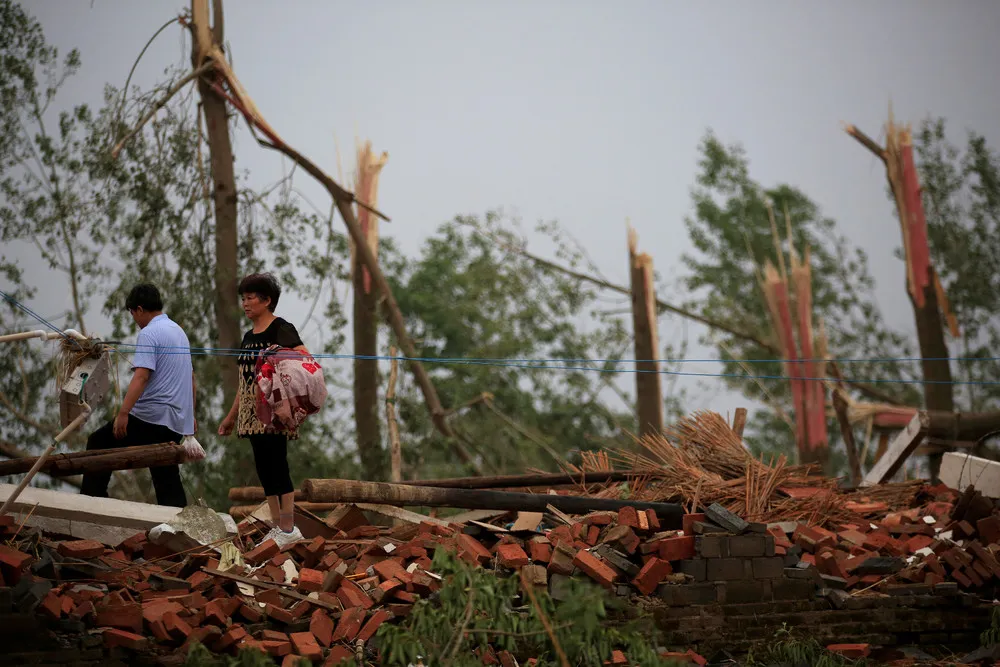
[140,378]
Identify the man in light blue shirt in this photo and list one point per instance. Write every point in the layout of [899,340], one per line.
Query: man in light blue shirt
[159,404]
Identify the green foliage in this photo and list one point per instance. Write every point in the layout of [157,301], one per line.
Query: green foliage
[961,194]
[991,635]
[787,649]
[731,232]
[469,295]
[199,656]
[475,608]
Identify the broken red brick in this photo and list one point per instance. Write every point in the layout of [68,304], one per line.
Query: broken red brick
[472,550]
[371,627]
[810,538]
[337,655]
[390,569]
[14,562]
[617,658]
[231,637]
[51,606]
[177,628]
[628,516]
[321,625]
[351,595]
[677,548]
[310,580]
[304,644]
[540,552]
[114,638]
[595,568]
[262,553]
[349,624]
[688,521]
[653,520]
[650,576]
[81,549]
[918,542]
[513,556]
[123,617]
[852,651]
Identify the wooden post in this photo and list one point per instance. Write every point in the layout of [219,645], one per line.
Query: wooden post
[365,320]
[739,421]
[905,442]
[396,467]
[649,395]
[227,313]
[847,433]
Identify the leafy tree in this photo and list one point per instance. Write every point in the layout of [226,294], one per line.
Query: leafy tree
[105,223]
[469,296]
[732,235]
[961,194]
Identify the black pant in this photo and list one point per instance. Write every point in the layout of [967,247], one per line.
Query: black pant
[270,455]
[166,479]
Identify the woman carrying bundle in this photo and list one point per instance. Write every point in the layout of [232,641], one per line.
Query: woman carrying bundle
[259,294]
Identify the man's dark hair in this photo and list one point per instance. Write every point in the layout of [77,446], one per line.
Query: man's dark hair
[145,295]
[263,285]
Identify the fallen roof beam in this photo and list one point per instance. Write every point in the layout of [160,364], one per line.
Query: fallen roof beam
[76,507]
[904,444]
[350,491]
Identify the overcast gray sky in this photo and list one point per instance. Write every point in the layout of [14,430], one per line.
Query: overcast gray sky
[584,112]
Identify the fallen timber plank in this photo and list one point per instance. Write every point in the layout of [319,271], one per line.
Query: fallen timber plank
[251,494]
[344,490]
[286,592]
[76,507]
[904,444]
[103,460]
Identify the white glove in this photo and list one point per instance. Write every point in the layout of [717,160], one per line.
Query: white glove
[192,448]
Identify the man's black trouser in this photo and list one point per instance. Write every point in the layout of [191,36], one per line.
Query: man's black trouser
[166,479]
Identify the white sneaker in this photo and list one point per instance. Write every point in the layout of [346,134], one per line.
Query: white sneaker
[283,539]
[270,535]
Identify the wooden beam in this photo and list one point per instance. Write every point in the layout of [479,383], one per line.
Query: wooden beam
[740,421]
[104,460]
[76,507]
[254,494]
[899,450]
[847,433]
[350,491]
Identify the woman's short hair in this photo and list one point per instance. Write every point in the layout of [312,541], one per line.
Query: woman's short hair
[263,285]
[144,295]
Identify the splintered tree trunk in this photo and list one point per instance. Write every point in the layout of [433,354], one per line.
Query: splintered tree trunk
[921,281]
[227,315]
[647,378]
[366,412]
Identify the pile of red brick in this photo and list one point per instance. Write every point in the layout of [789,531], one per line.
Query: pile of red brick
[952,537]
[321,597]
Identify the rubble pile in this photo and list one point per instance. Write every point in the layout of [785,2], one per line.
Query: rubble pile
[318,598]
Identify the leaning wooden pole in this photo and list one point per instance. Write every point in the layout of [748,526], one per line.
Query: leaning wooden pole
[365,321]
[351,491]
[649,392]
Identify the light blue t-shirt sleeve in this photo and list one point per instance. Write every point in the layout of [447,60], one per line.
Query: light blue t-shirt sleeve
[145,351]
